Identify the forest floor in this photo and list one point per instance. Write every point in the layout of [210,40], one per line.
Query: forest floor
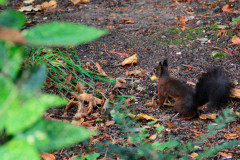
[187,33]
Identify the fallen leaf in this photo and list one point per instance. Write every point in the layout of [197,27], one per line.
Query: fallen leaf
[208,116]
[227,8]
[231,136]
[153,137]
[48,5]
[28,1]
[29,9]
[89,98]
[153,103]
[109,27]
[109,123]
[12,35]
[183,28]
[134,73]
[193,155]
[225,155]
[235,40]
[79,88]
[147,117]
[131,99]
[118,84]
[100,70]
[222,32]
[76,2]
[47,156]
[130,60]
[235,93]
[68,78]
[170,124]
[154,77]
[79,122]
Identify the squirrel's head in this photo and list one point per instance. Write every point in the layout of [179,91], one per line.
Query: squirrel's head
[161,69]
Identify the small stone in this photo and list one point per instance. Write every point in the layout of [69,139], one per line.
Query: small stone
[203,40]
[179,53]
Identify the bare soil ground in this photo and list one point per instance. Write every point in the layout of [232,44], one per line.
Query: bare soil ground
[149,29]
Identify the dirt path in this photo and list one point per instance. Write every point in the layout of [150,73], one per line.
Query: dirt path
[149,29]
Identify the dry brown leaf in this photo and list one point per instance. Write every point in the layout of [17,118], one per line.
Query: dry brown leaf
[79,122]
[118,84]
[76,2]
[225,155]
[235,40]
[222,32]
[154,77]
[134,73]
[47,5]
[153,103]
[130,60]
[30,8]
[89,98]
[109,123]
[147,117]
[28,1]
[68,78]
[235,93]
[153,137]
[231,136]
[47,156]
[109,27]
[131,99]
[208,116]
[193,155]
[227,8]
[100,70]
[12,35]
[170,124]
[156,125]
[79,88]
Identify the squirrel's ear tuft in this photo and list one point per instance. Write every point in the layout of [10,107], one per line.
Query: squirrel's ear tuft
[165,63]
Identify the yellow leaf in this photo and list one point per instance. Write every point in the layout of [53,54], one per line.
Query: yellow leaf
[144,116]
[130,60]
[153,78]
[208,116]
[194,155]
[231,136]
[235,93]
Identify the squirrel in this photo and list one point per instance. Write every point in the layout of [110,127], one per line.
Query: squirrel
[212,87]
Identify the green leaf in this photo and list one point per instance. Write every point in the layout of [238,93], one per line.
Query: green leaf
[93,156]
[19,150]
[12,59]
[52,135]
[20,117]
[60,34]
[35,80]
[62,134]
[218,55]
[169,144]
[8,95]
[12,19]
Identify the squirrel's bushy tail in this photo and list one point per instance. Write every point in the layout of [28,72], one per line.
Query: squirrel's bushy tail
[213,88]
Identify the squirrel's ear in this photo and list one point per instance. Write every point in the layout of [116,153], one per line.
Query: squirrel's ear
[165,63]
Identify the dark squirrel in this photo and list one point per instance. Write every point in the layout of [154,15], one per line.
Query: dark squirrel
[212,87]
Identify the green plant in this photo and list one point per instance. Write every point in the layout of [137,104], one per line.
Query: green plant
[236,20]
[63,63]
[174,148]
[218,55]
[24,132]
